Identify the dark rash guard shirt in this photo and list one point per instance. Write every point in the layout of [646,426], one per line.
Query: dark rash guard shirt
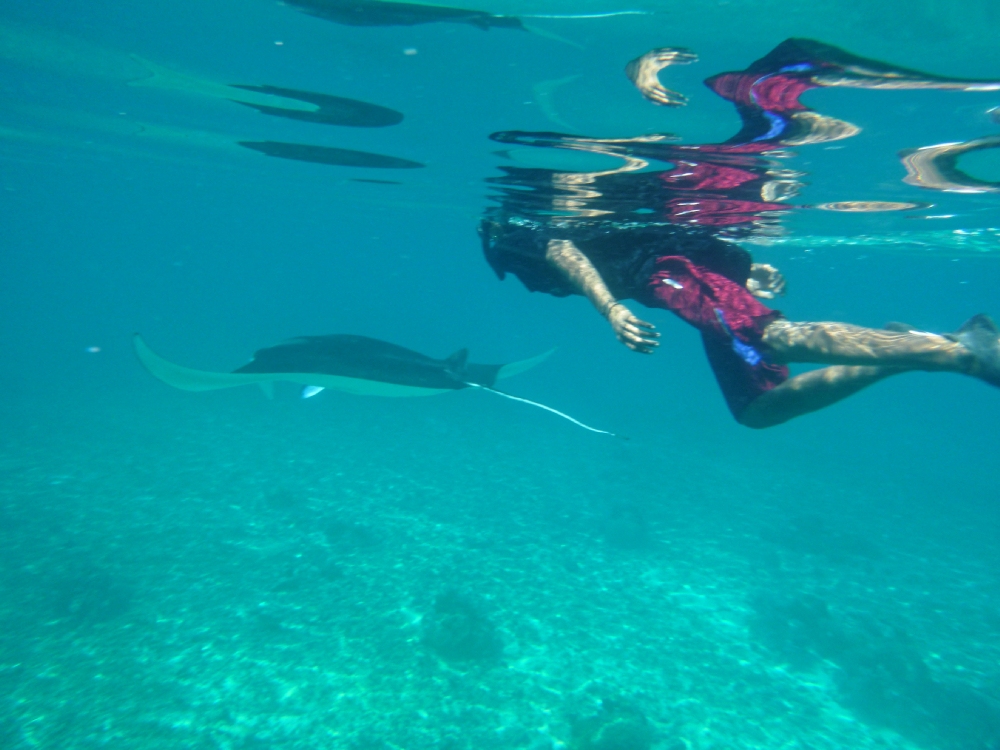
[622,253]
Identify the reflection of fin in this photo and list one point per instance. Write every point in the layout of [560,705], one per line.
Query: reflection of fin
[812,127]
[980,335]
[543,92]
[376,182]
[268,388]
[331,110]
[328,155]
[936,167]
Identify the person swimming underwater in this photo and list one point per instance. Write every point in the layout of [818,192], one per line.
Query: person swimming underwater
[667,239]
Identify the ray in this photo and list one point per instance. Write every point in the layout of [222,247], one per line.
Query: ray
[55,52]
[378,13]
[132,136]
[49,50]
[355,364]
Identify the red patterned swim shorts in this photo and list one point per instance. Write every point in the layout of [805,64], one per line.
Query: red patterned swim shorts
[731,322]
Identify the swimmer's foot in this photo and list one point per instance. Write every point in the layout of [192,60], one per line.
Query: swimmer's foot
[842,68]
[980,335]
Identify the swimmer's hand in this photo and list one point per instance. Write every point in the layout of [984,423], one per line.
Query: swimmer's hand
[766,281]
[637,335]
[643,73]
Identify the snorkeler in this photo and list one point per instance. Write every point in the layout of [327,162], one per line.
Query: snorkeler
[666,239]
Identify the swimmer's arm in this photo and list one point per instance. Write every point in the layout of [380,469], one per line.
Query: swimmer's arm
[577,267]
[643,73]
[766,281]
[637,335]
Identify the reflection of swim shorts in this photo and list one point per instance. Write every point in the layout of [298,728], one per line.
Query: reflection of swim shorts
[731,321]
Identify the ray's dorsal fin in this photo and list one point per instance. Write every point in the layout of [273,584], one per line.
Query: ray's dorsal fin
[455,364]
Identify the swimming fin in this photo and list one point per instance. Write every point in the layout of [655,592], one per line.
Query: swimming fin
[980,335]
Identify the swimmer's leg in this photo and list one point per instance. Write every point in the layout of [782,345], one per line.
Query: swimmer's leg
[864,356]
[809,392]
[827,65]
[846,344]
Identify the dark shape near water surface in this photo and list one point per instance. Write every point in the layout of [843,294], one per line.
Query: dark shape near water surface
[376,182]
[332,110]
[377,13]
[937,167]
[356,364]
[341,157]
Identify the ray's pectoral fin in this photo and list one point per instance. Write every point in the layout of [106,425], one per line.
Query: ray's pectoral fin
[516,368]
[188,379]
[488,375]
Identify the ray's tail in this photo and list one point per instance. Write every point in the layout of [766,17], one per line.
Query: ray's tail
[577,422]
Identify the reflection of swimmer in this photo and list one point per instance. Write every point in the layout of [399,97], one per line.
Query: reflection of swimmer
[708,185]
[644,72]
[936,167]
[659,238]
[868,207]
[767,93]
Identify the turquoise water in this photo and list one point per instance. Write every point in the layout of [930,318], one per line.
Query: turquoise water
[219,570]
